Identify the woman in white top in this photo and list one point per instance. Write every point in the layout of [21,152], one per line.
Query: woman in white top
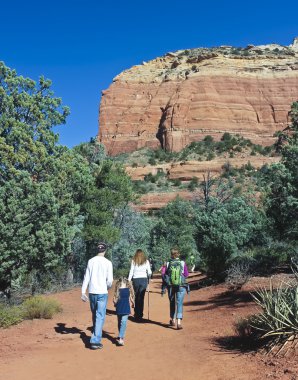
[139,274]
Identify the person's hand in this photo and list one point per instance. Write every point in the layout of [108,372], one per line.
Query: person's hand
[84,297]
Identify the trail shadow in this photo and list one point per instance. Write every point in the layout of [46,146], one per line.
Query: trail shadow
[147,321]
[230,299]
[239,344]
[105,334]
[62,329]
[111,312]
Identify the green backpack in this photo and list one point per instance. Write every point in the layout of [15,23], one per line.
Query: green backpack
[175,272]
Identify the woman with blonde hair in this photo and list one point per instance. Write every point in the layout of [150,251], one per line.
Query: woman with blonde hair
[140,273]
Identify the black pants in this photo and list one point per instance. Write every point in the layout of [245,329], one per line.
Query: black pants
[139,286]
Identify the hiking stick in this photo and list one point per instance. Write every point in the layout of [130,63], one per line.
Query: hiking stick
[148,301]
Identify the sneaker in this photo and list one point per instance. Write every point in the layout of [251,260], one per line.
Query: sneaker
[120,342]
[179,327]
[96,346]
[172,323]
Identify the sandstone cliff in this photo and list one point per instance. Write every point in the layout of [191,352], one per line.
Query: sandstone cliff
[181,97]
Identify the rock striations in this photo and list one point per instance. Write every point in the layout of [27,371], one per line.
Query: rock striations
[183,96]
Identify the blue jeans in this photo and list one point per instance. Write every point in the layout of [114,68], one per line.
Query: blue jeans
[98,305]
[139,286]
[176,297]
[122,322]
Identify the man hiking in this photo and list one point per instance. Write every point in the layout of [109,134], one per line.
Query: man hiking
[99,277]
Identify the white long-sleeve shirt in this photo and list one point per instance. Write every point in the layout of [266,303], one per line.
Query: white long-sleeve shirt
[98,275]
[139,271]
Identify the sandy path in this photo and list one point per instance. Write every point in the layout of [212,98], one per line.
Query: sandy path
[56,349]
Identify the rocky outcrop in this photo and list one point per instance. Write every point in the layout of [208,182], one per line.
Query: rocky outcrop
[186,170]
[183,96]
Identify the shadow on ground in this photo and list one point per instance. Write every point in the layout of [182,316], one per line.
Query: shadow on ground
[238,344]
[229,298]
[61,328]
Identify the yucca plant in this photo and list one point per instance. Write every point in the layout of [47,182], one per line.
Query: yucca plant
[279,319]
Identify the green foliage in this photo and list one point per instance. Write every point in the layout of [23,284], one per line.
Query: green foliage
[135,234]
[9,315]
[175,227]
[28,111]
[112,189]
[282,196]
[41,183]
[223,229]
[193,184]
[40,307]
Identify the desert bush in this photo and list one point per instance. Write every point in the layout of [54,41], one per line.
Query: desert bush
[239,272]
[40,307]
[9,315]
[243,327]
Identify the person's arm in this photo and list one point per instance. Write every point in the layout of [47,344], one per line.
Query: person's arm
[148,269]
[185,271]
[131,296]
[86,279]
[110,275]
[132,267]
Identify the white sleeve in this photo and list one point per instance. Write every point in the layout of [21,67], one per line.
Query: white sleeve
[110,275]
[132,267]
[149,272]
[86,279]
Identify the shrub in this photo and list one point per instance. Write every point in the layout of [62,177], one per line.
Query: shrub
[208,139]
[176,182]
[239,272]
[244,326]
[40,307]
[152,161]
[279,319]
[9,315]
[193,184]
[210,156]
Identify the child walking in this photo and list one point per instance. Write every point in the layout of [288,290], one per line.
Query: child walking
[163,270]
[123,297]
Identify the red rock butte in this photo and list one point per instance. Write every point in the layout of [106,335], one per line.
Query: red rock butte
[181,97]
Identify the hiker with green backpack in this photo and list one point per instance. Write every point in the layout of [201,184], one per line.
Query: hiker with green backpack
[175,278]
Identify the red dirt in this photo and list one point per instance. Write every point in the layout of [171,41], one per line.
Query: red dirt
[56,349]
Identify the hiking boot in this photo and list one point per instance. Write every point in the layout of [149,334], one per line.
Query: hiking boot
[96,346]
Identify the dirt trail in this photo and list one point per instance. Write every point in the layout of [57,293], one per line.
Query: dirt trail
[57,349]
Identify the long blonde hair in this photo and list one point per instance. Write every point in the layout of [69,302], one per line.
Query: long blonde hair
[120,281]
[139,257]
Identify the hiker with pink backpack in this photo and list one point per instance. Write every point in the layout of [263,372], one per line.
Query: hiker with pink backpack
[175,277]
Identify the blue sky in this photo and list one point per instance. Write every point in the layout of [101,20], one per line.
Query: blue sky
[82,44]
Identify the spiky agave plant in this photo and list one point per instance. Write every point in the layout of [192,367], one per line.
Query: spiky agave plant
[279,319]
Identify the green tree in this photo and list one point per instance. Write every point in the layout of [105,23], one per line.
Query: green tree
[112,189]
[175,227]
[41,183]
[28,112]
[223,230]
[135,231]
[282,197]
